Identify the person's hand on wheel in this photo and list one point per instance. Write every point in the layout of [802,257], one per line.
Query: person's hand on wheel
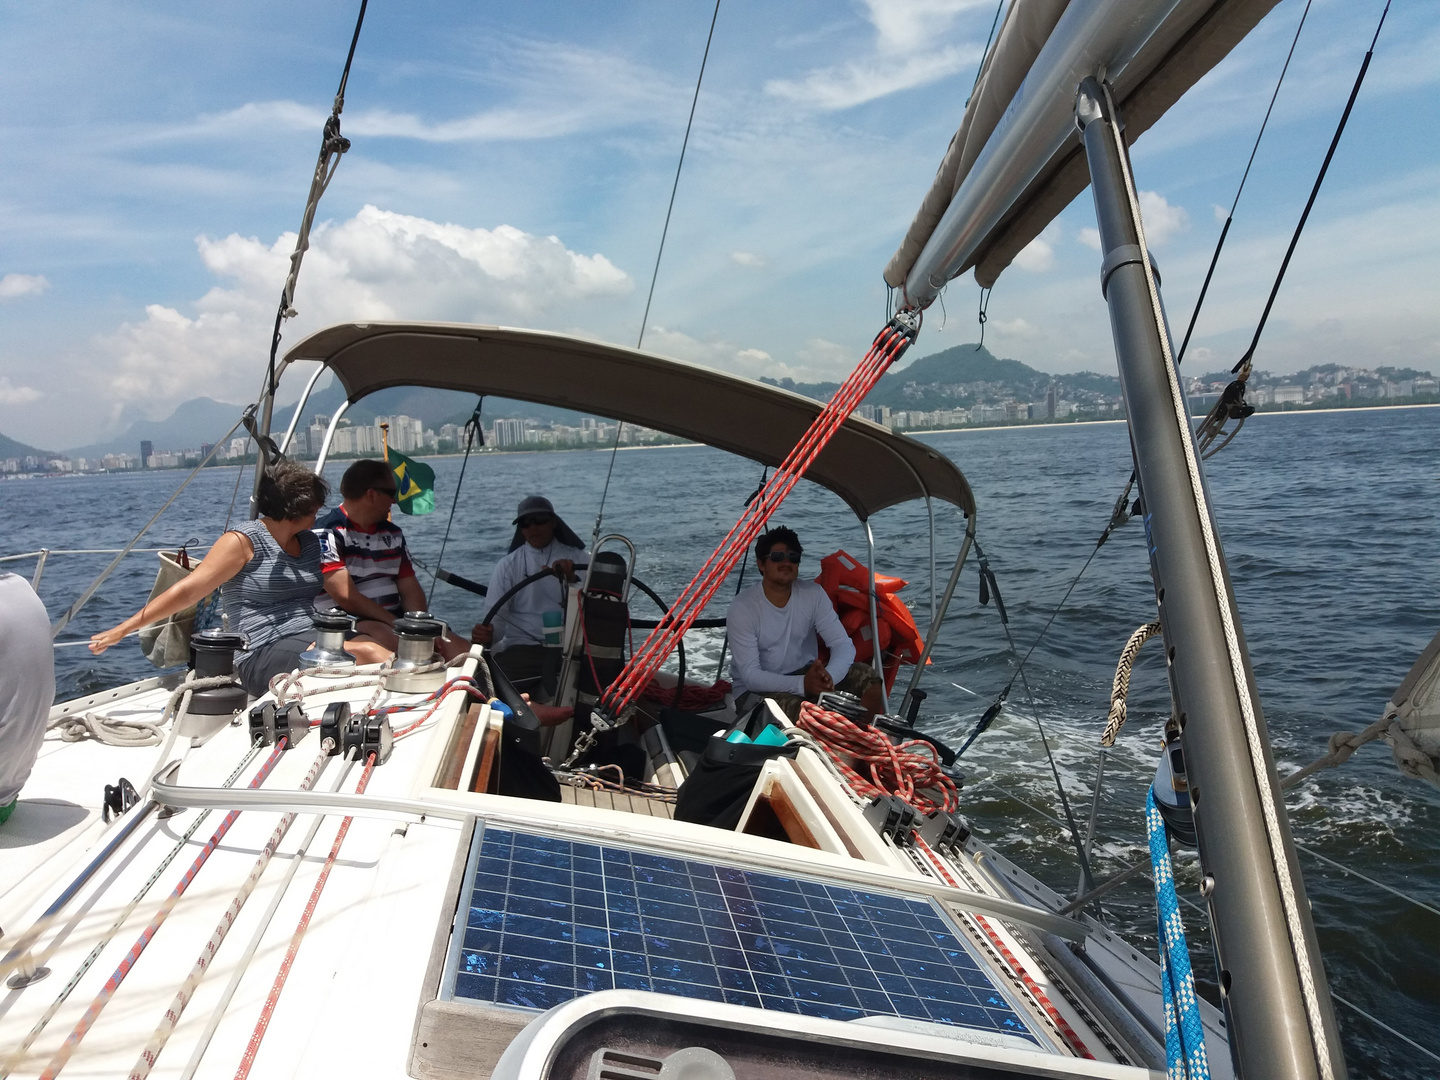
[482,634]
[565,568]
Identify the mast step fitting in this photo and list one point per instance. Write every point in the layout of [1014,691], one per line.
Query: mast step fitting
[943,830]
[269,724]
[892,816]
[365,735]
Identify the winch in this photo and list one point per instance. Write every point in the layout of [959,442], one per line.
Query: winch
[212,654]
[416,669]
[331,626]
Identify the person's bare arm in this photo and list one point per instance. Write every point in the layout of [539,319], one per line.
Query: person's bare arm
[232,551]
[412,596]
[342,589]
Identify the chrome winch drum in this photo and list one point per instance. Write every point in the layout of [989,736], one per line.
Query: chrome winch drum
[331,626]
[416,669]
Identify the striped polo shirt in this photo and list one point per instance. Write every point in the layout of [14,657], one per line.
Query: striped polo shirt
[376,558]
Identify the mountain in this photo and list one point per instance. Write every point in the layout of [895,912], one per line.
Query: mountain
[10,448]
[959,377]
[200,420]
[203,420]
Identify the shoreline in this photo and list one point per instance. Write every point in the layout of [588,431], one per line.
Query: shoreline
[968,429]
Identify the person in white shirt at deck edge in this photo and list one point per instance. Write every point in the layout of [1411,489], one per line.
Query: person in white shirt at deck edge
[542,541]
[773,627]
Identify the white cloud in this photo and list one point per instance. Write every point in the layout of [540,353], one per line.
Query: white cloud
[555,89]
[1036,256]
[1013,328]
[827,359]
[377,265]
[13,285]
[1162,221]
[1089,237]
[719,354]
[10,394]
[747,259]
[909,53]
[1219,213]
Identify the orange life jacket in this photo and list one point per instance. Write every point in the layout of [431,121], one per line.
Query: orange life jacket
[847,582]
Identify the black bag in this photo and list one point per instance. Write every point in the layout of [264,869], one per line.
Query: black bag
[523,772]
[716,791]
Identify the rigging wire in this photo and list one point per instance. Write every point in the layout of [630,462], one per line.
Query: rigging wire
[987,574]
[1244,362]
[985,52]
[1232,404]
[1225,229]
[332,144]
[655,273]
[472,430]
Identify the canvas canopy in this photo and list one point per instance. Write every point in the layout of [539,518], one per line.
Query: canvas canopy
[1192,36]
[868,466]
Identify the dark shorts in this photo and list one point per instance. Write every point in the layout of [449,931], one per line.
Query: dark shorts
[857,680]
[259,665]
[522,665]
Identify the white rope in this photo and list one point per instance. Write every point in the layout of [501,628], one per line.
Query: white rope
[111,731]
[1254,743]
[1120,688]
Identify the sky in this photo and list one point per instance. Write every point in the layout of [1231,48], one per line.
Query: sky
[511,164]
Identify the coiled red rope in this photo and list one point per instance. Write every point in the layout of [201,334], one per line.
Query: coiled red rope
[692,698]
[873,765]
[889,345]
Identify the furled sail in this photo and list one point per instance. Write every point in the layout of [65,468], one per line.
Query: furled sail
[1015,147]
[1414,715]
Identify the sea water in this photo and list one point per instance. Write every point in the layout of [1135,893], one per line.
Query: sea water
[1331,527]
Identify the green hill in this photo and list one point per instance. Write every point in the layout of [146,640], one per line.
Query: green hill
[963,375]
[10,448]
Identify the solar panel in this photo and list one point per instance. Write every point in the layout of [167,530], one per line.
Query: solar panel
[550,919]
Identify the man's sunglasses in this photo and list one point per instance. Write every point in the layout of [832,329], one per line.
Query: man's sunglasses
[782,556]
[392,492]
[538,519]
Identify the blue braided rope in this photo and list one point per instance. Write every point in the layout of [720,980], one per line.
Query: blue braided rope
[1184,1034]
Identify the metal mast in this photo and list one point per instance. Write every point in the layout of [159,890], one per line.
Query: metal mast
[1277,1003]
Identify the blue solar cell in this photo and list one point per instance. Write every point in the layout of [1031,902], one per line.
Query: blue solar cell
[550,918]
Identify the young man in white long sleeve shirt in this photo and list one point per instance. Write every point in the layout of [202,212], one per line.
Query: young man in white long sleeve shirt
[774,628]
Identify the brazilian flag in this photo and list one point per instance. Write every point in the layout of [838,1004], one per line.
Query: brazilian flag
[414,483]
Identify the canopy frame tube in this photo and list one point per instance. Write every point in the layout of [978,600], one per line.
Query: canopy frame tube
[329,437]
[299,407]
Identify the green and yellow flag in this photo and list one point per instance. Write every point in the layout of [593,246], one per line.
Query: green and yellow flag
[414,483]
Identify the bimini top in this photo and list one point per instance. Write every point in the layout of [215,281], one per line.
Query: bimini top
[867,465]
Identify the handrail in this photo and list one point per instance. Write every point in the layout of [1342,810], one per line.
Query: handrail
[462,805]
[96,551]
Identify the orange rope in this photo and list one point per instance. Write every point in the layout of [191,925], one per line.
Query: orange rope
[906,769]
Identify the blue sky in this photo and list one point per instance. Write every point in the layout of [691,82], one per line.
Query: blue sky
[511,164]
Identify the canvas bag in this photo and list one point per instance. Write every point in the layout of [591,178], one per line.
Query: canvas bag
[167,643]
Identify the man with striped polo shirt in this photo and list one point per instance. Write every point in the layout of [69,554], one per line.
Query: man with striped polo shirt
[363,557]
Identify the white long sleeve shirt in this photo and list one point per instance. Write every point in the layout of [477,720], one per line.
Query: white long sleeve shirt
[767,641]
[519,621]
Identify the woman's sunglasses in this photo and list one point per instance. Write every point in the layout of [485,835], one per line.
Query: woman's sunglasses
[782,556]
[539,519]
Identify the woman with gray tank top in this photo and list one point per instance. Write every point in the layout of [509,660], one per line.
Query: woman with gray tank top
[268,574]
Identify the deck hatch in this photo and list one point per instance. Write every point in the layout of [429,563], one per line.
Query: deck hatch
[549,919]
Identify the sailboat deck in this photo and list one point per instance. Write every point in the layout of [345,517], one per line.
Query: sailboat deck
[616,800]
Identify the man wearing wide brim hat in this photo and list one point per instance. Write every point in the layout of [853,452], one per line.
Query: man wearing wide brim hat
[542,541]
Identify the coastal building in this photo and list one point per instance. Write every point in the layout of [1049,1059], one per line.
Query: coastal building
[146,449]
